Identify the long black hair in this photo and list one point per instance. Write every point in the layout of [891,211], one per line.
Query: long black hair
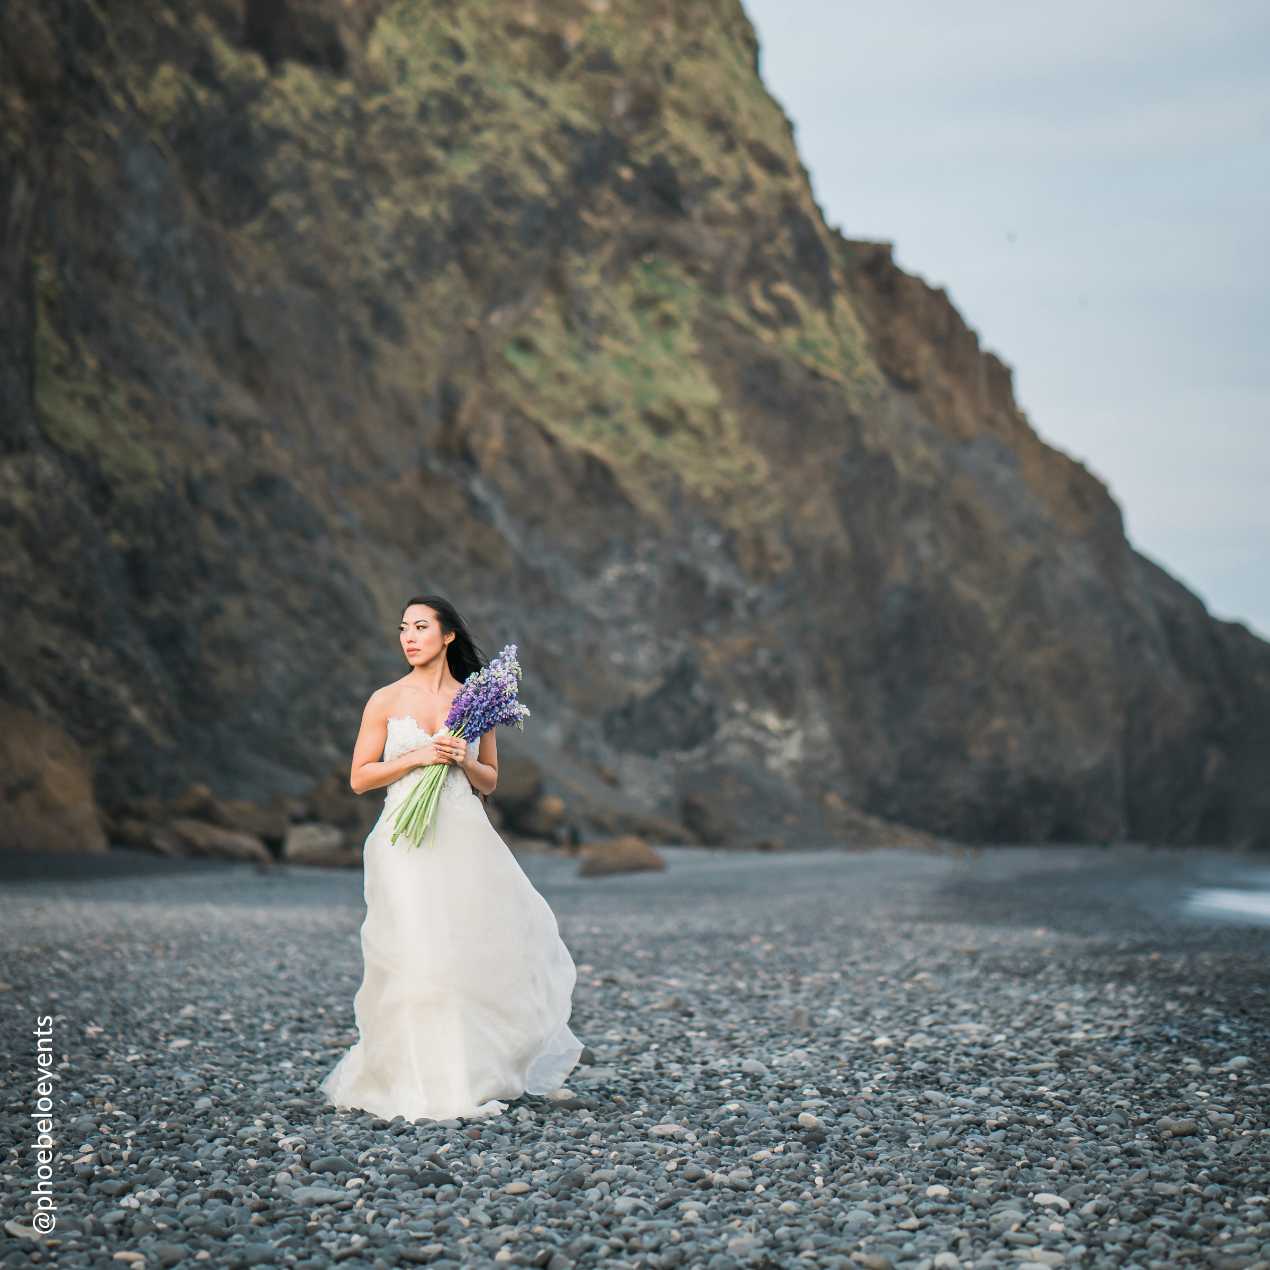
[462,653]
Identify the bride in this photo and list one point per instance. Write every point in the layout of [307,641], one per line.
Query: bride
[467,986]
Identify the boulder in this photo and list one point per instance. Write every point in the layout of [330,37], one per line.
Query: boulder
[266,822]
[195,800]
[319,844]
[185,836]
[628,854]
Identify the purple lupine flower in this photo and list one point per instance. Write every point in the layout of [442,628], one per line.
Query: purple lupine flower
[487,698]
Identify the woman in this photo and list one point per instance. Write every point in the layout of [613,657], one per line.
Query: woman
[467,986]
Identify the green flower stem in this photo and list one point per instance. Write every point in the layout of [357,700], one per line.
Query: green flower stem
[416,811]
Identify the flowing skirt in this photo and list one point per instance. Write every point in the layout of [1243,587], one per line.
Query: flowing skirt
[467,986]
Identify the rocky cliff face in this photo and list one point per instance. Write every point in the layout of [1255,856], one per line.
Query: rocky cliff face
[311,305]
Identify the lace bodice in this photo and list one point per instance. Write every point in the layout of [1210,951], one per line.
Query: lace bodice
[405,733]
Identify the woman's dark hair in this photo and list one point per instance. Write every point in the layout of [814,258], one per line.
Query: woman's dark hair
[462,653]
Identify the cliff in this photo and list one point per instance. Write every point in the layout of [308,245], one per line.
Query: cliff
[310,306]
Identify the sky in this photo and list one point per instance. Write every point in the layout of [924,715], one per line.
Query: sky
[1091,186]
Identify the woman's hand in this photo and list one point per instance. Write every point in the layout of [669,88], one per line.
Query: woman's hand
[425,755]
[442,749]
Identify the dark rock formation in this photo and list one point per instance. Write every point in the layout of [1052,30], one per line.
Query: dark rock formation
[309,306]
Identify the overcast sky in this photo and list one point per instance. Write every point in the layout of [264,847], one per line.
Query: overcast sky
[1091,185]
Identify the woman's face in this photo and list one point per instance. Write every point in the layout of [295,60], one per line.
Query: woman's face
[422,638]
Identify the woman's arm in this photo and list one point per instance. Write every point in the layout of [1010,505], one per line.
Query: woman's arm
[368,771]
[480,764]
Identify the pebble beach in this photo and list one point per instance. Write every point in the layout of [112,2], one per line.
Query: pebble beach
[1010,1056]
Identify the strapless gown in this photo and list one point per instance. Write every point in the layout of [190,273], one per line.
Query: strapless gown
[467,986]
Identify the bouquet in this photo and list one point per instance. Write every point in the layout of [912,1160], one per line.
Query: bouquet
[486,699]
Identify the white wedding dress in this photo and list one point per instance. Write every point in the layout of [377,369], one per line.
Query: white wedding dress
[467,986]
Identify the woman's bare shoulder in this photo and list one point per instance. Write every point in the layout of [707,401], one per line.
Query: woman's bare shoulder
[381,700]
